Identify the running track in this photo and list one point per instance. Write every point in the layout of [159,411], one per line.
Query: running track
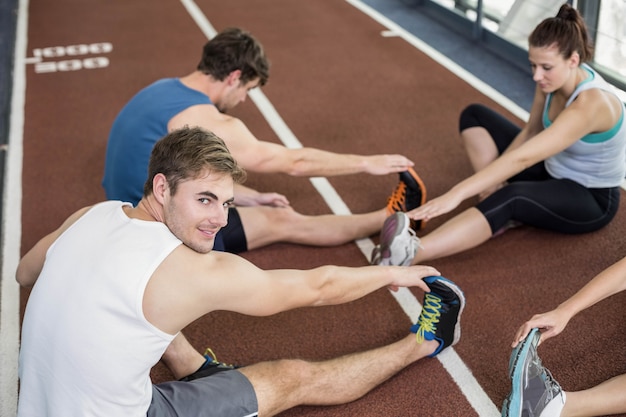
[344,79]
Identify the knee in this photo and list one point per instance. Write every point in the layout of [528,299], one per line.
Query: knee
[292,374]
[299,369]
[503,196]
[470,117]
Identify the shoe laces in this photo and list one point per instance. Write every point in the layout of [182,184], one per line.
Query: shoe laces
[415,241]
[554,386]
[397,200]
[212,357]
[428,318]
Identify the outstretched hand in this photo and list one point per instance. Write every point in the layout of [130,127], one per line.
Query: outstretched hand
[550,324]
[387,164]
[435,207]
[272,199]
[261,199]
[412,276]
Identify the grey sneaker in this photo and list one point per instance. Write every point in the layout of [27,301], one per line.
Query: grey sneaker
[535,393]
[398,243]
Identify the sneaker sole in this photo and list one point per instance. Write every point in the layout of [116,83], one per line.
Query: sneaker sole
[512,406]
[413,180]
[459,293]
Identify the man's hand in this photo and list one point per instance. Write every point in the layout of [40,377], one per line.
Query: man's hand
[411,276]
[387,164]
[262,199]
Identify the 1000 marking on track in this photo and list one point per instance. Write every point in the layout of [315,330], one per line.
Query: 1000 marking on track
[76,54]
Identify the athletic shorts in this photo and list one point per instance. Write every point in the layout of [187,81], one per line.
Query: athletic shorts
[231,238]
[224,394]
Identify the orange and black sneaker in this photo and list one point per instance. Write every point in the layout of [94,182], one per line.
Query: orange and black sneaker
[410,193]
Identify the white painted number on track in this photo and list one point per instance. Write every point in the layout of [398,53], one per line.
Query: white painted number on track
[76,60]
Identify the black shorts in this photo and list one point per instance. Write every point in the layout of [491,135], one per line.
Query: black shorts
[231,238]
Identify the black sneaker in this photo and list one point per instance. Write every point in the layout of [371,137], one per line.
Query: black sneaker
[440,319]
[410,193]
[211,366]
[534,391]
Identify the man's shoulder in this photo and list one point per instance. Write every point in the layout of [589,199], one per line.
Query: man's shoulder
[172,86]
[204,115]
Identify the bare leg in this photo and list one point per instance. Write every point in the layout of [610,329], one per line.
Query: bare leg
[181,358]
[464,231]
[481,150]
[606,398]
[479,146]
[281,385]
[266,225]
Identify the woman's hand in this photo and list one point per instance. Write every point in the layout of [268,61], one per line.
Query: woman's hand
[550,324]
[436,207]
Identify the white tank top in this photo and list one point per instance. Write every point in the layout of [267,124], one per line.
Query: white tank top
[87,348]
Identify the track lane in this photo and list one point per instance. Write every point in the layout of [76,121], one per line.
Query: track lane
[336,82]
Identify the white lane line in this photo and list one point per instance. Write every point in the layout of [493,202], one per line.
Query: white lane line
[284,133]
[196,14]
[461,374]
[441,59]
[450,360]
[12,225]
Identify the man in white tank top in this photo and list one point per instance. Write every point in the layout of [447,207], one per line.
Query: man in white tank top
[115,284]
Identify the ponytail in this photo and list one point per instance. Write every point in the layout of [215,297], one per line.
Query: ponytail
[567,30]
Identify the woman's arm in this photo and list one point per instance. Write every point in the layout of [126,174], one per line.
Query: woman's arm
[607,283]
[534,124]
[588,113]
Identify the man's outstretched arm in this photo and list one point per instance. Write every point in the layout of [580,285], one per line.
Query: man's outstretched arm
[267,157]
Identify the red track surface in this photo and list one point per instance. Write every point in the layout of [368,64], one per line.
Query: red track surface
[339,85]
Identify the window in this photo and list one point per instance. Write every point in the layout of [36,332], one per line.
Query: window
[513,20]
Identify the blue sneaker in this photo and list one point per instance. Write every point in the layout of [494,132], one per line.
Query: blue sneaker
[440,318]
[209,367]
[534,391]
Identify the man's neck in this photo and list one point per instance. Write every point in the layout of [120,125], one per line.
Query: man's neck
[147,209]
[203,83]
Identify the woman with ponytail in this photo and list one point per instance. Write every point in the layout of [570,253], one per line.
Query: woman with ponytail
[562,171]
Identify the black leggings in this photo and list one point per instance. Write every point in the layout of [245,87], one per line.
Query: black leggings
[533,197]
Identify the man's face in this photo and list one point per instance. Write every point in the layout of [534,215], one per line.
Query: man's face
[199,209]
[235,94]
